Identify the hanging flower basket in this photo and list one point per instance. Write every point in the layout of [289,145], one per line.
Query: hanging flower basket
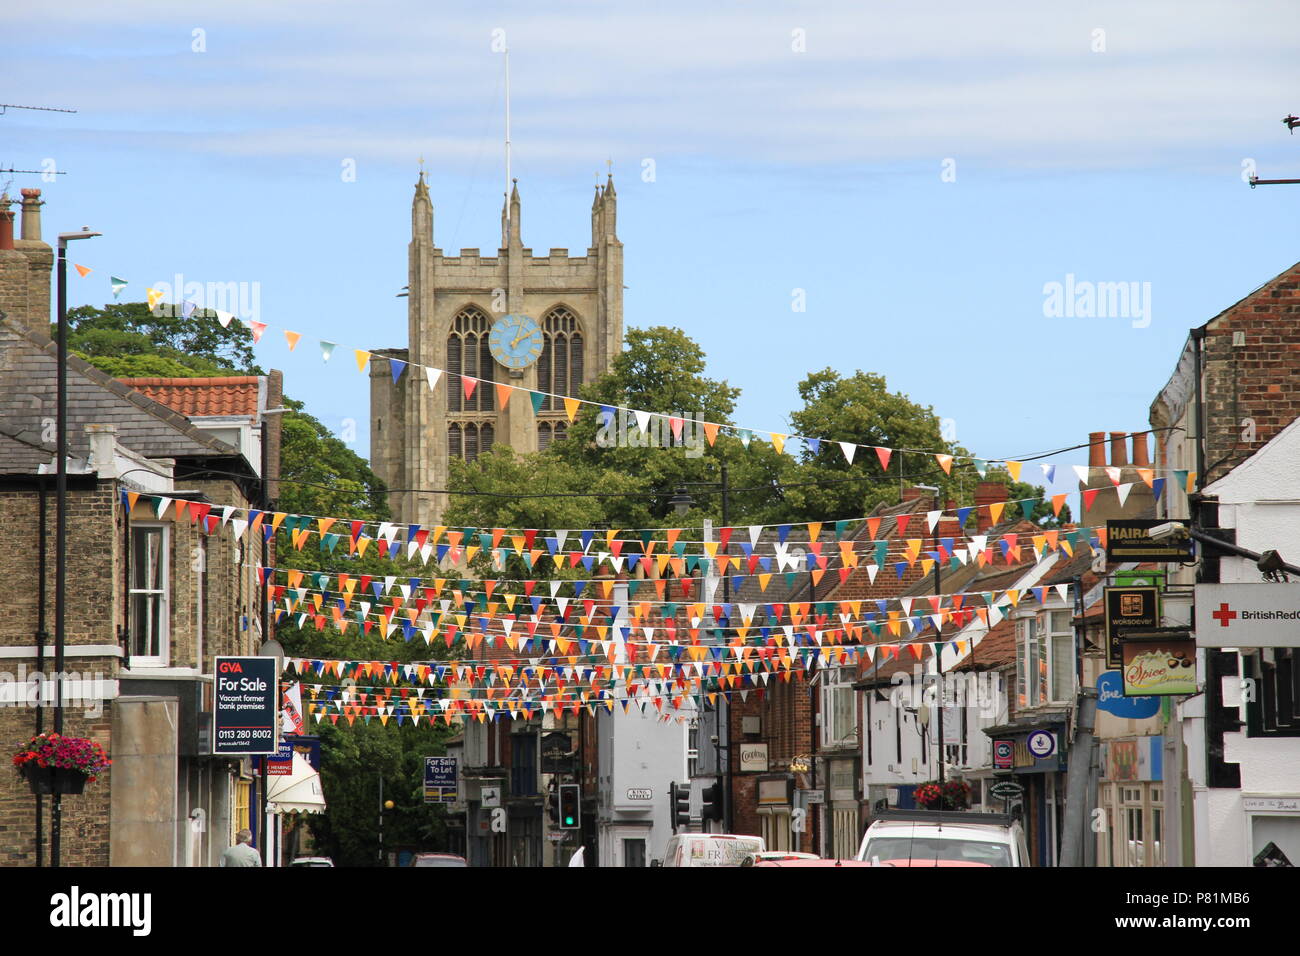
[53,763]
[50,780]
[950,795]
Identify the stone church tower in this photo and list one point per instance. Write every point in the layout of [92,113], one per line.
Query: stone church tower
[453,303]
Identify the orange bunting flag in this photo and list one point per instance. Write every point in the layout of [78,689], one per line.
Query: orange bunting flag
[1057,502]
[83,270]
[945,462]
[292,338]
[711,433]
[503,394]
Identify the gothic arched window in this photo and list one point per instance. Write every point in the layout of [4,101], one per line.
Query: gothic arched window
[468,354]
[560,368]
[470,432]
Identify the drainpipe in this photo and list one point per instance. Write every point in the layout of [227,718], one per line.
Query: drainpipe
[41,636]
[1198,344]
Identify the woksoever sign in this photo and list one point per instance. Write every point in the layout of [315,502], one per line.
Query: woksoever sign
[1248,615]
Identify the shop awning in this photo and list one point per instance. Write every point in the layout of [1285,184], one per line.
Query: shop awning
[300,791]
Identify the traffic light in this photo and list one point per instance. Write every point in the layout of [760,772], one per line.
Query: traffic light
[570,806]
[681,804]
[712,802]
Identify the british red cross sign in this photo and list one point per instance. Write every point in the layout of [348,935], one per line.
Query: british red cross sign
[1248,615]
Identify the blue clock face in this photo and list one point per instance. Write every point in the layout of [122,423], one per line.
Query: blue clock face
[515,341]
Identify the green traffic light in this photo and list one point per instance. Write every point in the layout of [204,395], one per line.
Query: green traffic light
[568,821]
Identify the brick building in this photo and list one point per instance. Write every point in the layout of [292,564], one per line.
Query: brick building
[150,597]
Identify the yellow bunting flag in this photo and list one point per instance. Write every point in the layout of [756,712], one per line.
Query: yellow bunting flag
[995,511]
[154,297]
[363,358]
[1013,469]
[571,408]
[778,442]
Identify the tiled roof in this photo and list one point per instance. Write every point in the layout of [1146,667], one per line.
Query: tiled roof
[28,387]
[196,397]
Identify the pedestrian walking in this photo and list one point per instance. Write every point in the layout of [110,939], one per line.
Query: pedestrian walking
[242,853]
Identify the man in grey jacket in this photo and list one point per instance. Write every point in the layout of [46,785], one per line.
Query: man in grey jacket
[242,853]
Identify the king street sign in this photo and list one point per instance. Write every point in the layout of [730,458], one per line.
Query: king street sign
[1248,615]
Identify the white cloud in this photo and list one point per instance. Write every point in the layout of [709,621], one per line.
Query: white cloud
[1009,83]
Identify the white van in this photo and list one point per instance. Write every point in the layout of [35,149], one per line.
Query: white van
[711,849]
[943,838]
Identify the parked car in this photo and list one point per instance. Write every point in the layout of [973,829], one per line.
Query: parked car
[438,859]
[815,861]
[777,855]
[943,838]
[711,849]
[312,861]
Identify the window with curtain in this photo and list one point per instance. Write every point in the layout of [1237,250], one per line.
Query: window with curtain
[1060,640]
[148,594]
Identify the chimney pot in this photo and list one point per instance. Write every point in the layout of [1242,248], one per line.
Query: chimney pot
[6,223]
[1096,449]
[1119,449]
[1141,457]
[32,214]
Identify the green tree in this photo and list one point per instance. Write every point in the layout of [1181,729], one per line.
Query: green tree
[320,476]
[126,339]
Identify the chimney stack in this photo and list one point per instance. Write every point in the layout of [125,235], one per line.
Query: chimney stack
[34,312]
[987,493]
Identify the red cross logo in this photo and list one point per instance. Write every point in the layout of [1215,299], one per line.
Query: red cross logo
[1223,615]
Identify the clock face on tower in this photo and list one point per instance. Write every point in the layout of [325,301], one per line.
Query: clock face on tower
[515,341]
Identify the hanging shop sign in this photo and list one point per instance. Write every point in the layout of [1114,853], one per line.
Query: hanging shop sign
[1128,607]
[1159,665]
[1130,540]
[1248,615]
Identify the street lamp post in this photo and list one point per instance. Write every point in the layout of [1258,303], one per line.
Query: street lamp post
[682,503]
[938,655]
[61,518]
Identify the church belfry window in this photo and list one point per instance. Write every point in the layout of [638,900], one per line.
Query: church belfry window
[468,354]
[560,367]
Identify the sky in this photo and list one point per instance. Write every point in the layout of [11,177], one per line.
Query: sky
[914,175]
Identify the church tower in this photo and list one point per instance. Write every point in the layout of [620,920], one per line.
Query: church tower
[453,304]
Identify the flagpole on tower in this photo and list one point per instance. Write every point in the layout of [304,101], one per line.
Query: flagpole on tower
[507,56]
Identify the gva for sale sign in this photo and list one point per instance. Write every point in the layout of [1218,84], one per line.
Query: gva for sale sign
[245,717]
